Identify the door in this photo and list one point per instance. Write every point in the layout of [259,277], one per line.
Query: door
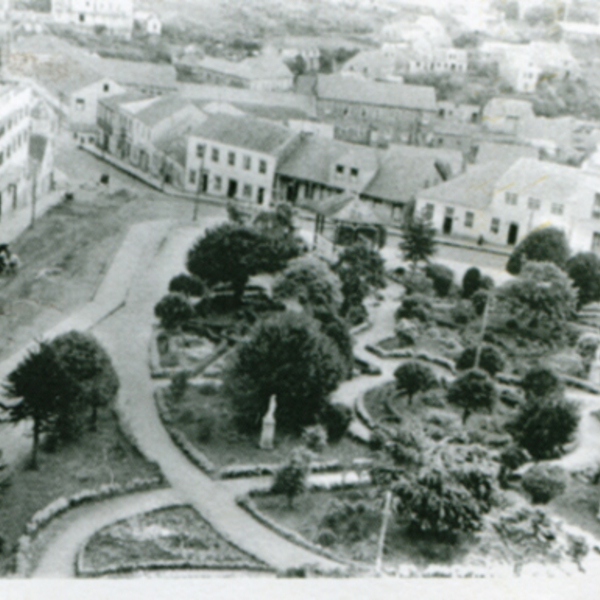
[204,184]
[447,228]
[232,188]
[513,233]
[261,195]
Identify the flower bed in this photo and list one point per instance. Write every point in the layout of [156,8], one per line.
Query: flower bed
[176,537]
[59,506]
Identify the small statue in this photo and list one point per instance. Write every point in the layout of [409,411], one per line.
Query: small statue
[267,434]
[594,376]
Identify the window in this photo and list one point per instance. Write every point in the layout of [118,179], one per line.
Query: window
[558,209]
[80,104]
[596,210]
[1,158]
[218,182]
[199,151]
[106,87]
[510,198]
[247,191]
[247,163]
[596,242]
[428,212]
[262,166]
[81,18]
[354,173]
[192,176]
[231,158]
[215,155]
[495,226]
[469,218]
[533,203]
[339,169]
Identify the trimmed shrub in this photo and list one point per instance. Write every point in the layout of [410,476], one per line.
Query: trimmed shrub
[415,306]
[356,314]
[471,282]
[544,482]
[542,245]
[336,418]
[178,387]
[417,283]
[487,283]
[490,360]
[315,438]
[290,479]
[173,310]
[327,538]
[462,312]
[541,382]
[442,278]
[412,377]
[479,300]
[188,285]
[472,391]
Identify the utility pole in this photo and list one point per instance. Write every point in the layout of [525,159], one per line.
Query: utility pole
[384,526]
[484,322]
[200,186]
[33,196]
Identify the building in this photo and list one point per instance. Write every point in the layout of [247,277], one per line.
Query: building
[267,72]
[583,33]
[41,157]
[114,16]
[502,205]
[147,22]
[138,130]
[237,157]
[388,112]
[146,77]
[15,130]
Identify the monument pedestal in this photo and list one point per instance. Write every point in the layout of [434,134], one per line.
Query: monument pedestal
[267,434]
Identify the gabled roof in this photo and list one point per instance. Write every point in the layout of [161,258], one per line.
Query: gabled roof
[474,189]
[174,142]
[244,132]
[507,153]
[398,95]
[349,208]
[162,108]
[265,66]
[137,73]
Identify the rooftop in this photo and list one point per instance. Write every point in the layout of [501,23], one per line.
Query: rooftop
[37,147]
[244,132]
[399,95]
[507,153]
[129,72]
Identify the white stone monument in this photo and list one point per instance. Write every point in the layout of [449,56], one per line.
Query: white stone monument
[267,434]
[594,376]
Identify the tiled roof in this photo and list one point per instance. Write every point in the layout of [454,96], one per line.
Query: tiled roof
[244,132]
[129,72]
[260,67]
[475,188]
[508,153]
[162,108]
[350,89]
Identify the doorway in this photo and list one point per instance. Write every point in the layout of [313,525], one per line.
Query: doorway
[261,195]
[232,188]
[204,182]
[513,234]
[447,228]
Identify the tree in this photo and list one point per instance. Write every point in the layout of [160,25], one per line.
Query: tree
[173,310]
[584,270]
[188,285]
[541,299]
[490,359]
[412,377]
[232,253]
[542,245]
[544,426]
[541,382]
[415,306]
[86,362]
[418,240]
[365,263]
[311,282]
[354,291]
[471,282]
[290,479]
[472,391]
[286,355]
[544,482]
[337,331]
[511,459]
[435,503]
[442,278]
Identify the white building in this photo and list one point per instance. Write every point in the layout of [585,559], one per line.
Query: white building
[114,15]
[237,157]
[148,22]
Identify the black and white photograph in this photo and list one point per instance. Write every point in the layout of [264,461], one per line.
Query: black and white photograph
[300,289]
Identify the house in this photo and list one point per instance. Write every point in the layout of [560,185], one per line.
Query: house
[237,157]
[114,16]
[503,205]
[461,113]
[137,129]
[585,33]
[398,112]
[15,123]
[311,55]
[266,72]
[507,115]
[373,64]
[508,153]
[147,22]
[146,77]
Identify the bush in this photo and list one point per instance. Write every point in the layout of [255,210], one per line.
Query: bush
[188,285]
[479,300]
[487,283]
[356,314]
[490,360]
[413,377]
[173,310]
[542,245]
[351,522]
[327,538]
[442,278]
[541,382]
[336,418]
[315,438]
[471,282]
[417,283]
[544,482]
[472,391]
[178,387]
[462,312]
[415,306]
[544,426]
[290,479]
[584,270]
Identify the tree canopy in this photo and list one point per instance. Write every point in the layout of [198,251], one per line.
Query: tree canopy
[418,240]
[473,391]
[412,377]
[584,270]
[542,245]
[363,261]
[490,359]
[286,355]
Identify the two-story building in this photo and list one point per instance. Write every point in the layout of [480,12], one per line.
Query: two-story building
[394,112]
[114,16]
[237,157]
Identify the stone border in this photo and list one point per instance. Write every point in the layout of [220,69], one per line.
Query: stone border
[259,470]
[195,456]
[360,328]
[581,384]
[82,571]
[43,517]
[440,361]
[247,504]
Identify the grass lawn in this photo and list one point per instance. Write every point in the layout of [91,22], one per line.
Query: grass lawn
[357,540]
[102,457]
[65,257]
[579,505]
[206,417]
[166,536]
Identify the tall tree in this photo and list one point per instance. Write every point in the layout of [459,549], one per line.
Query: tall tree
[542,245]
[472,391]
[584,270]
[365,263]
[412,377]
[418,240]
